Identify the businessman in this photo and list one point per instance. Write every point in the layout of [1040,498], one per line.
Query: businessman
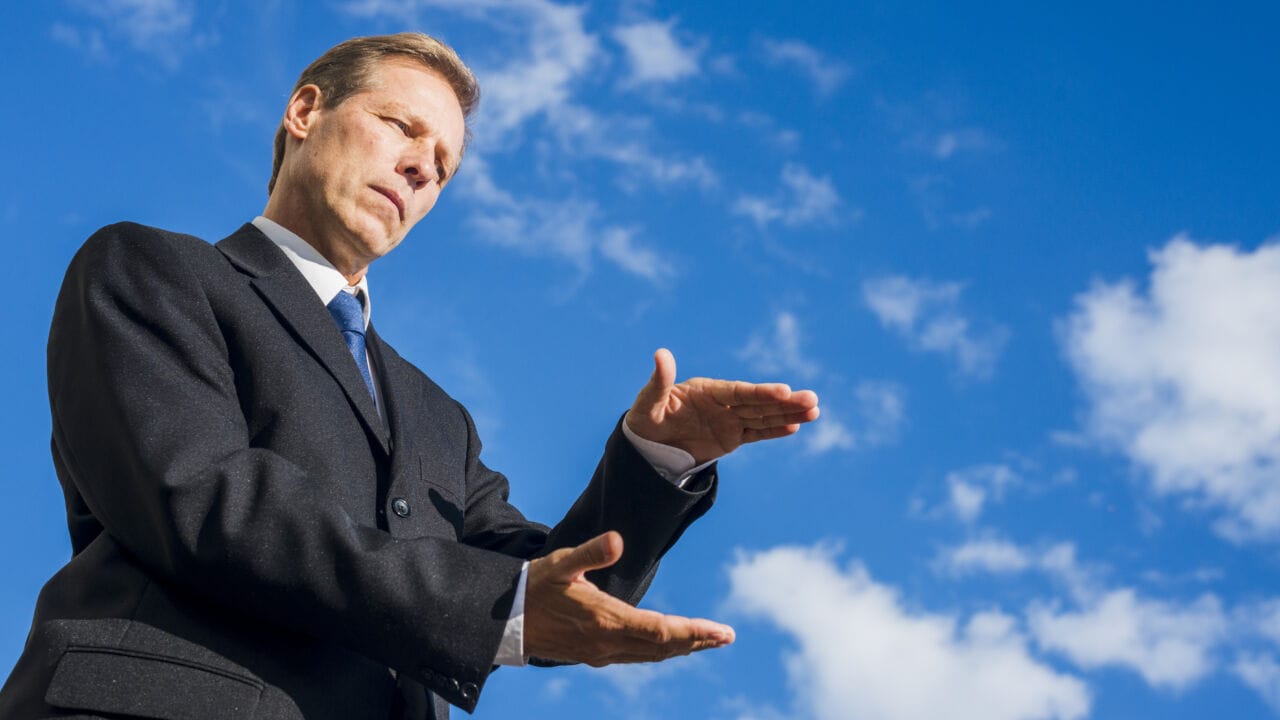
[273,515]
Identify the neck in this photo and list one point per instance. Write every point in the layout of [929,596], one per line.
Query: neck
[290,215]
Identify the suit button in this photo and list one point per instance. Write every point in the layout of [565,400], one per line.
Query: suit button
[470,691]
[401,507]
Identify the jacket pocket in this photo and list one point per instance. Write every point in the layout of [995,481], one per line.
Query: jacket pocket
[146,685]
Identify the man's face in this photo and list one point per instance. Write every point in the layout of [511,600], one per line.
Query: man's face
[367,170]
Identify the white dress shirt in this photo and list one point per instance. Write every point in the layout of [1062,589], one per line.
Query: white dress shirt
[671,463]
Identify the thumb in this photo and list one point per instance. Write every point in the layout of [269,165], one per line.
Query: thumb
[598,552]
[663,377]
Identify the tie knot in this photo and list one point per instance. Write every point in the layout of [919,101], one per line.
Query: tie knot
[348,312]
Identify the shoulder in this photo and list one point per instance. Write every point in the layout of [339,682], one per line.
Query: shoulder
[131,249]
[131,260]
[130,238]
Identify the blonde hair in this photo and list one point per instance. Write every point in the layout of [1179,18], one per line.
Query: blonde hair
[346,68]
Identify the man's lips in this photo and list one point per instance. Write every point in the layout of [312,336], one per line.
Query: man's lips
[394,198]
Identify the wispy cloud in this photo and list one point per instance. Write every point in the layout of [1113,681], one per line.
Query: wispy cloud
[1184,377]
[989,555]
[971,489]
[949,143]
[804,199]
[864,653]
[878,407]
[569,230]
[161,29]
[778,352]
[654,54]
[879,412]
[826,73]
[927,314]
[1261,673]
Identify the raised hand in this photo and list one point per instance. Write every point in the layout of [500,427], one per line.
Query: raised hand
[568,618]
[711,418]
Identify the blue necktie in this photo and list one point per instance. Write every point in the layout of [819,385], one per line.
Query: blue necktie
[348,312]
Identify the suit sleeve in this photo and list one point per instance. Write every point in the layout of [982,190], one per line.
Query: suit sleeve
[149,431]
[625,494]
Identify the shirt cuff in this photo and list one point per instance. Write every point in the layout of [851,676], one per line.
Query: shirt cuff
[511,649]
[672,463]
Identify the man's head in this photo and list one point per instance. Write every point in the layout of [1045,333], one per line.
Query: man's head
[370,136]
[346,68]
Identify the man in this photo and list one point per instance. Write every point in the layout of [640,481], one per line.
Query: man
[273,515]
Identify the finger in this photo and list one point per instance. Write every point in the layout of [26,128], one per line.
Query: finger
[652,398]
[737,392]
[664,368]
[656,653]
[677,630]
[790,418]
[751,435]
[748,412]
[598,552]
[660,629]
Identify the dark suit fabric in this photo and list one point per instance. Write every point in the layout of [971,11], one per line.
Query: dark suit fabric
[229,487]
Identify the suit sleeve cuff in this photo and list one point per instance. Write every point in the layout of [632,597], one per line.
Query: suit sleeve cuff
[673,464]
[511,649]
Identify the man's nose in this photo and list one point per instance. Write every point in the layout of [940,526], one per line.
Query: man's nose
[419,168]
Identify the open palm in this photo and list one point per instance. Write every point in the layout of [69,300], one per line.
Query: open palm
[710,418]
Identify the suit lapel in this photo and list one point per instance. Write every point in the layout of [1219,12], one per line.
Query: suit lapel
[295,303]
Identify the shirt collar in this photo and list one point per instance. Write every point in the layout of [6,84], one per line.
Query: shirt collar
[321,275]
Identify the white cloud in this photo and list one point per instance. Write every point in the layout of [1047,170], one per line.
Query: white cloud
[617,245]
[970,489]
[862,654]
[569,230]
[946,145]
[928,315]
[159,28]
[641,160]
[830,434]
[560,50]
[1262,674]
[779,352]
[1266,618]
[825,73]
[1184,377]
[879,406]
[1169,645]
[654,54]
[805,199]
[989,555]
[882,410]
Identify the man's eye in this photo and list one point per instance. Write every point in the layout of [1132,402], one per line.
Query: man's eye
[403,126]
[440,172]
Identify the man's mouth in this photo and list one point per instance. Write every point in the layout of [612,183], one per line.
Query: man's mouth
[394,198]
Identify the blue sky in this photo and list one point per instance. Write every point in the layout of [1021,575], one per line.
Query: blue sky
[1027,256]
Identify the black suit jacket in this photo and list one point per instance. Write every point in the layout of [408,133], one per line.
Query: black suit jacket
[229,491]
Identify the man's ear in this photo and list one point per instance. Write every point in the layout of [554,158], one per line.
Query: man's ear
[302,110]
